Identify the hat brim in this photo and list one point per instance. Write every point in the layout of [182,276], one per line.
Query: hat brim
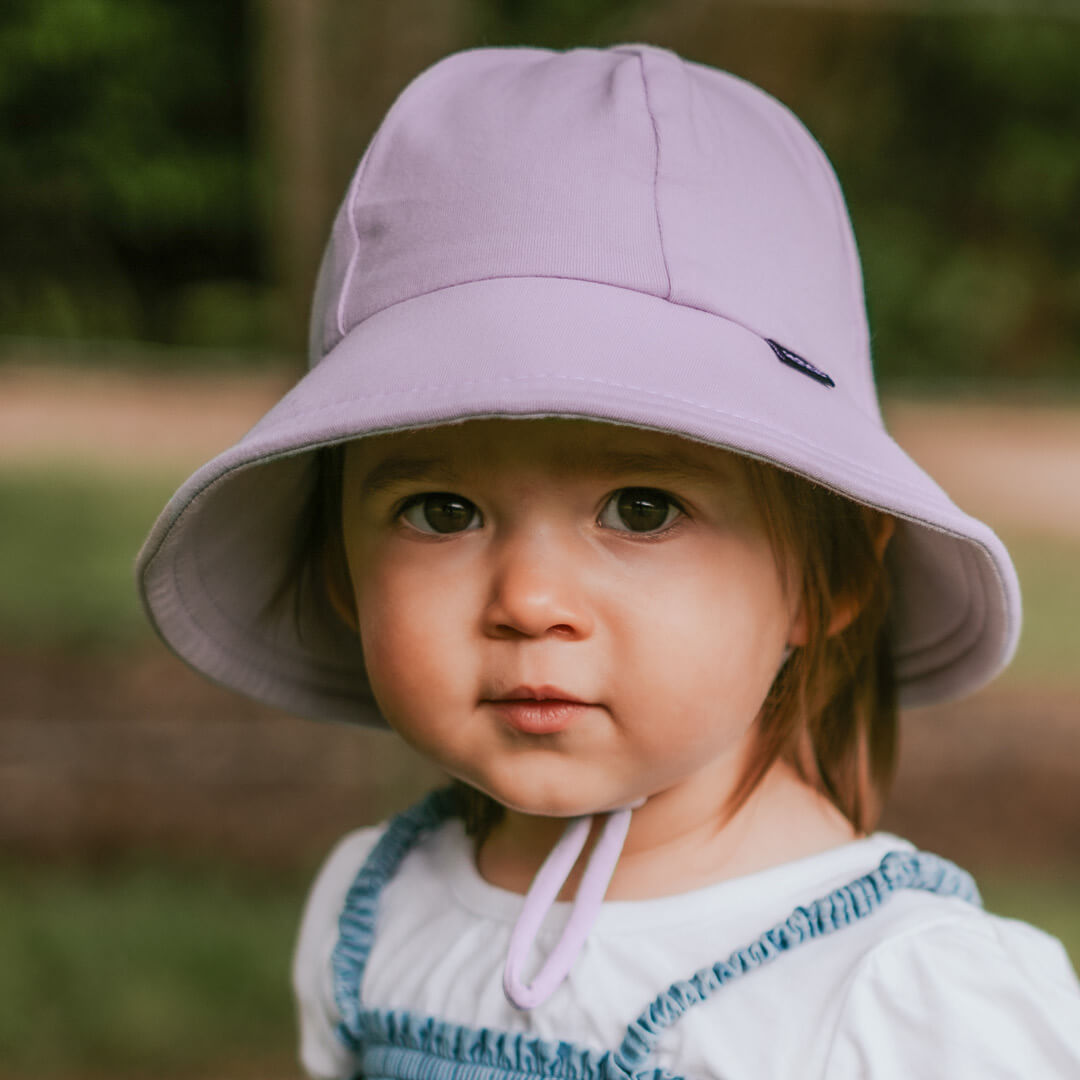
[521,347]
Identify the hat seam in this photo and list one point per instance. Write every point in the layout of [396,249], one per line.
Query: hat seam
[656,175]
[354,233]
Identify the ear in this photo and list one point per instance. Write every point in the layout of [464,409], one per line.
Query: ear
[846,608]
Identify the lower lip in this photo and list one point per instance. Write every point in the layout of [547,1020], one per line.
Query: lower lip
[539,717]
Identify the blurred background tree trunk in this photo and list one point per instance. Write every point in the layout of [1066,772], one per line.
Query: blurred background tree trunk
[327,72]
[290,102]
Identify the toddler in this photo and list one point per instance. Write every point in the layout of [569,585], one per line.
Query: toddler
[587,495]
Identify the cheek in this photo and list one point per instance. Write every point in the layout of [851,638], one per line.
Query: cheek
[715,635]
[409,625]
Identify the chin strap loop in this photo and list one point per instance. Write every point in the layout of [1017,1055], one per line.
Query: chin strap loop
[545,887]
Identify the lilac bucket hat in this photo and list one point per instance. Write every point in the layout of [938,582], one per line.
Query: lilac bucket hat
[614,234]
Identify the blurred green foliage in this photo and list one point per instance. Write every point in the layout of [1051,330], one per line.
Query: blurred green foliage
[132,177]
[964,183]
[127,169]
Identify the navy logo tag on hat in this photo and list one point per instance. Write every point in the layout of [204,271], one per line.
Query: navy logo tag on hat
[794,360]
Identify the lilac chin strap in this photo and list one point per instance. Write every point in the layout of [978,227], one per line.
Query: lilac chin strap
[542,893]
[549,879]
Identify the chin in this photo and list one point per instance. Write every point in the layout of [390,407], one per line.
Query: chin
[544,800]
[541,806]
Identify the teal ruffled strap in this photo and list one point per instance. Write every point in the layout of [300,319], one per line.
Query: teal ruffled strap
[399,1045]
[356,925]
[897,870]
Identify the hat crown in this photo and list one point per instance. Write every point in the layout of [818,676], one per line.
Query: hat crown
[627,167]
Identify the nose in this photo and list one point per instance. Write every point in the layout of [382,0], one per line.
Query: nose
[536,590]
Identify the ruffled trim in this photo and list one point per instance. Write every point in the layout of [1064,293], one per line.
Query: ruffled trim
[842,907]
[406,1046]
[356,924]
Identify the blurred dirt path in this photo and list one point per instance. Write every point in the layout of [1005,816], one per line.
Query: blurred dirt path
[116,419]
[1016,466]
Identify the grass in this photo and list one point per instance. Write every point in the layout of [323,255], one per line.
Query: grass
[159,969]
[67,552]
[1048,901]
[1050,583]
[143,969]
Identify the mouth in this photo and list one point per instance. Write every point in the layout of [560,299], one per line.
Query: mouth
[539,710]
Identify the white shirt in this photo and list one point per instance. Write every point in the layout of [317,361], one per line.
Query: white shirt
[925,987]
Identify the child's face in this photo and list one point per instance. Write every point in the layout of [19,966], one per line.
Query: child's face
[625,568]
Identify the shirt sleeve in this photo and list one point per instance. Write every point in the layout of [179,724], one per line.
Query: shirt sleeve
[981,1000]
[322,1054]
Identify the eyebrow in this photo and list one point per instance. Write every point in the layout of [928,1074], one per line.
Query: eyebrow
[393,471]
[643,463]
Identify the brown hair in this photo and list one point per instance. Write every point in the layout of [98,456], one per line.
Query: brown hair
[831,712]
[316,555]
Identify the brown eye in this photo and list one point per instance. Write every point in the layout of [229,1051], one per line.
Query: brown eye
[639,510]
[441,512]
